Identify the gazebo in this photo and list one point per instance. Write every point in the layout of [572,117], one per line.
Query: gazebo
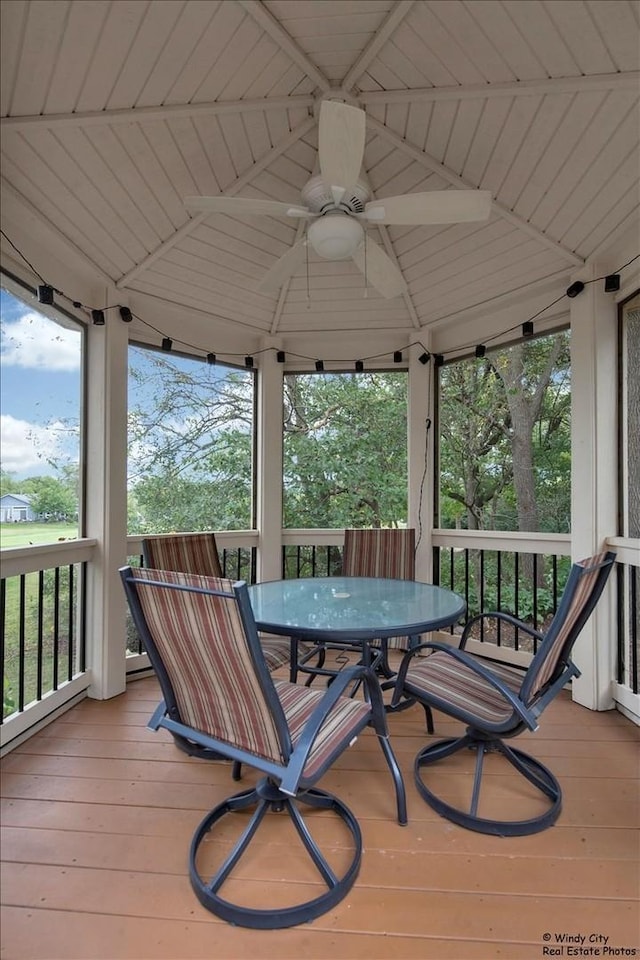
[114,113]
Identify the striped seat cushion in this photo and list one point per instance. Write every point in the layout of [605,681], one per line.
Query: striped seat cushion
[345,719]
[454,684]
[277,651]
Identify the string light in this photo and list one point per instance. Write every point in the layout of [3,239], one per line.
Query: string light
[46,292]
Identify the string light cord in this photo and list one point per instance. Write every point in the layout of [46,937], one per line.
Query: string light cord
[168,342]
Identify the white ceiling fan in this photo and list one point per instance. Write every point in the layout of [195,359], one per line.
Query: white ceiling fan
[337,204]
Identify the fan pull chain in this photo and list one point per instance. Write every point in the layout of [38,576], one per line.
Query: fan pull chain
[366,284]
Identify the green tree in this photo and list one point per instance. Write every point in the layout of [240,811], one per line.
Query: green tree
[345,450]
[52,497]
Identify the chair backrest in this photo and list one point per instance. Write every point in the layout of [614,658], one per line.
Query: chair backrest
[202,641]
[184,552]
[585,583]
[379,553]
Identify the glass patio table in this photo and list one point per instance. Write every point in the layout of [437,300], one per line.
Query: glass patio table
[352,611]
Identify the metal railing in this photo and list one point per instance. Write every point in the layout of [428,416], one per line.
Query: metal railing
[42,626]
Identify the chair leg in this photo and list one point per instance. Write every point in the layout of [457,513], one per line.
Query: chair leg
[537,774]
[401,796]
[266,797]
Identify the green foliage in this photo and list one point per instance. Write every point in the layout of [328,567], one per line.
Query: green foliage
[505,439]
[345,450]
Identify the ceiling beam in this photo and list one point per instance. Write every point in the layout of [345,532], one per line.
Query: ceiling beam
[168,112]
[284,289]
[442,171]
[395,17]
[39,220]
[510,298]
[270,25]
[516,88]
[406,296]
[235,188]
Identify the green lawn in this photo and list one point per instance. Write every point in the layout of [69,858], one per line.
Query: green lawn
[22,534]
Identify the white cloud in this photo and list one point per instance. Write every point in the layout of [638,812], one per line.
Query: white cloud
[25,446]
[34,341]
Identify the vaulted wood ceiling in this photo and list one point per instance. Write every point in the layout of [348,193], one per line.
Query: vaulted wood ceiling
[115,111]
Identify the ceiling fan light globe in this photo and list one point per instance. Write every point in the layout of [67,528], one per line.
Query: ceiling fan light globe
[335,237]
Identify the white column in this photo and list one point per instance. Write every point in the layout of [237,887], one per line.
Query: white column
[106,503]
[594,484]
[269,466]
[420,453]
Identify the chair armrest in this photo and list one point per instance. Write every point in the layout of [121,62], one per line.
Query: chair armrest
[498,615]
[471,663]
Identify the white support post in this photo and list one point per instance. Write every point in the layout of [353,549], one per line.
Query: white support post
[420,455]
[269,466]
[594,486]
[106,503]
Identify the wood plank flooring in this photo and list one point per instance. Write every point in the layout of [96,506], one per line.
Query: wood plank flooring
[98,813]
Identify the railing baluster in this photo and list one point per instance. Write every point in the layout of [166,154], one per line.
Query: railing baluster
[40,635]
[3,650]
[633,631]
[498,595]
[482,595]
[516,596]
[56,632]
[21,642]
[70,630]
[535,591]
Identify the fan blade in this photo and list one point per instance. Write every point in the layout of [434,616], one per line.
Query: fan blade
[380,271]
[284,267]
[341,135]
[436,206]
[245,206]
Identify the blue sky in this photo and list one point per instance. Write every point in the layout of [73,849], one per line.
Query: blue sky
[39,389]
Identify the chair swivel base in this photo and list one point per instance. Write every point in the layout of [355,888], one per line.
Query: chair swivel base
[527,766]
[267,797]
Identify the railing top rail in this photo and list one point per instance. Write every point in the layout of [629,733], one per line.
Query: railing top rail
[43,556]
[549,543]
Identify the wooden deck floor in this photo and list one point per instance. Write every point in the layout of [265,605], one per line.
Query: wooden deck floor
[98,812]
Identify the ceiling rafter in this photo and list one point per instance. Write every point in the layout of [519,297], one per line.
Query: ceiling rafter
[394,19]
[406,296]
[270,25]
[515,88]
[235,188]
[40,218]
[284,289]
[169,112]
[441,170]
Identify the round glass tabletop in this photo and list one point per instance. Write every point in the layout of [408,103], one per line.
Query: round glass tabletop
[364,608]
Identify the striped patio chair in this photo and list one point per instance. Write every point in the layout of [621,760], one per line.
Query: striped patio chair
[201,638]
[198,553]
[498,701]
[375,552]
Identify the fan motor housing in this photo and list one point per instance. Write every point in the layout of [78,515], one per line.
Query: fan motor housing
[318,197]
